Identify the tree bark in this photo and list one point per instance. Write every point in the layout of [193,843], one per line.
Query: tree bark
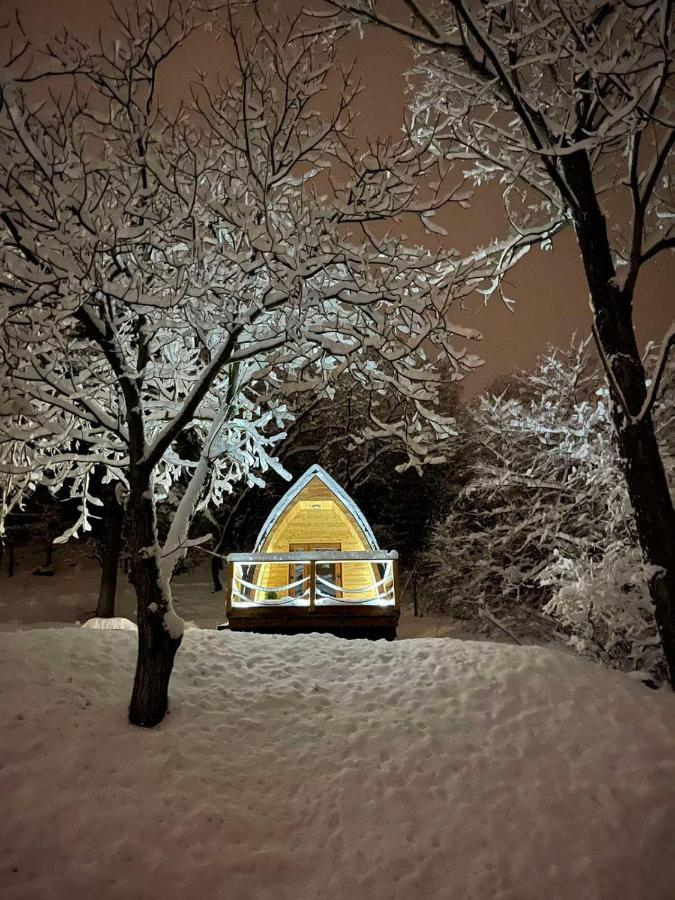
[638,448]
[105,607]
[655,521]
[156,647]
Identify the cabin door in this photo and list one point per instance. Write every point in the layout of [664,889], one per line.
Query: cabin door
[329,571]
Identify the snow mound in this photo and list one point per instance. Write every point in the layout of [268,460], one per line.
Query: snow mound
[309,767]
[114,623]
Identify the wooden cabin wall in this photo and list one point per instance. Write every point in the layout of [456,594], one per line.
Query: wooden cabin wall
[299,525]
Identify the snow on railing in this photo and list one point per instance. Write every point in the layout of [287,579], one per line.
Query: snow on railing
[248,572]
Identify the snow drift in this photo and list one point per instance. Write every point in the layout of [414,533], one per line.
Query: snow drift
[309,767]
[114,623]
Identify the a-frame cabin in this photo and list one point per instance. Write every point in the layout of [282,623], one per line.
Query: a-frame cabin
[316,567]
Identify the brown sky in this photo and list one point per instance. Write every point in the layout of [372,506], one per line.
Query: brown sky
[549,288]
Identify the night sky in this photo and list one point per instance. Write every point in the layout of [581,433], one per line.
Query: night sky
[549,287]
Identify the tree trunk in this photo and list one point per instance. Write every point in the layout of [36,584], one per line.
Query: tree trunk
[156,646]
[105,607]
[638,448]
[156,653]
[655,521]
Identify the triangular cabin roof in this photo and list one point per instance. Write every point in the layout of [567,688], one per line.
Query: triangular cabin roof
[315,474]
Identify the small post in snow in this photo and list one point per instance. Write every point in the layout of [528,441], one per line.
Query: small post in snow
[312,584]
[229,581]
[397,600]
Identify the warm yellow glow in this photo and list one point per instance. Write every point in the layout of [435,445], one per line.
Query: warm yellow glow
[316,518]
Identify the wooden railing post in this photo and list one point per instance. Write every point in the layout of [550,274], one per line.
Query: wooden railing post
[312,584]
[229,582]
[397,599]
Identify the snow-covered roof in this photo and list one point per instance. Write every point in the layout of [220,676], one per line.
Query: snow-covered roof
[317,471]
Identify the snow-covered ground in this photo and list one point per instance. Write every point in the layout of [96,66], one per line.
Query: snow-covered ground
[309,767]
[28,600]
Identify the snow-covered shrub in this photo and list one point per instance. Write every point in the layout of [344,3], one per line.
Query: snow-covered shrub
[542,535]
[605,608]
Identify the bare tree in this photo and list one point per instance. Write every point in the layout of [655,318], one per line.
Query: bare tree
[567,105]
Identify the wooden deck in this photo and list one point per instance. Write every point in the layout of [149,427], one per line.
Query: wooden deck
[315,609]
[365,622]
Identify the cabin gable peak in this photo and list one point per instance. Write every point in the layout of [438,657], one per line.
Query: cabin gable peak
[316,472]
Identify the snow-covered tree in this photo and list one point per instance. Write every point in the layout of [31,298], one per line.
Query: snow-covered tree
[167,273]
[568,108]
[544,524]
[398,476]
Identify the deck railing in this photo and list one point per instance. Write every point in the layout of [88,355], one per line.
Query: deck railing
[243,589]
